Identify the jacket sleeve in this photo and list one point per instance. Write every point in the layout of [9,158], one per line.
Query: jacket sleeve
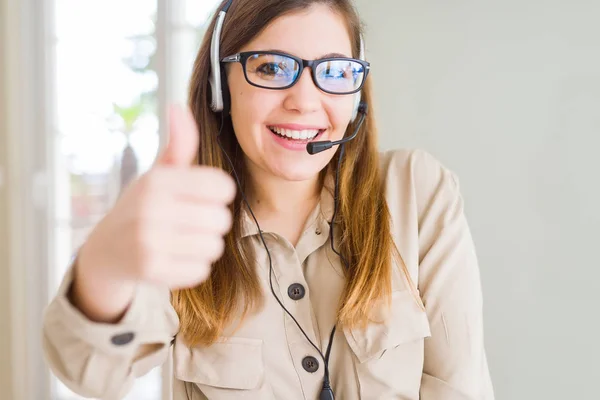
[102,360]
[455,365]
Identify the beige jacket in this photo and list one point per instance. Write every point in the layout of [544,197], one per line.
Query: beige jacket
[434,355]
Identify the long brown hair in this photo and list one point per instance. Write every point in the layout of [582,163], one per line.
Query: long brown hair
[363,216]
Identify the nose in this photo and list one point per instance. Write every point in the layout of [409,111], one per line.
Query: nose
[304,97]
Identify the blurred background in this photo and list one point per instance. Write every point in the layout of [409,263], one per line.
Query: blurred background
[506,93]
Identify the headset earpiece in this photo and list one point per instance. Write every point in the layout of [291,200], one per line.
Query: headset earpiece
[216,84]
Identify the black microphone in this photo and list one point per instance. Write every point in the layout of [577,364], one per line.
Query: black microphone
[317,147]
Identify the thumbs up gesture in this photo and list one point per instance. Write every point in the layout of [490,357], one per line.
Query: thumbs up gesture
[166,228]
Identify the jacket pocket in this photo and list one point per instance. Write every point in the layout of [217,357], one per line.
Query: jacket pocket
[232,368]
[389,355]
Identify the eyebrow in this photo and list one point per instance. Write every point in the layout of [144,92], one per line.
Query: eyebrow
[328,55]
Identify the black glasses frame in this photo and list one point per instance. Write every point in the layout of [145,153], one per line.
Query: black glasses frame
[243,57]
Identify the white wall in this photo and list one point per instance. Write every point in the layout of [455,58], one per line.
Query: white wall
[5,316]
[507,94]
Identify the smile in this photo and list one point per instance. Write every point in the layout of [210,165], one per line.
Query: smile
[306,134]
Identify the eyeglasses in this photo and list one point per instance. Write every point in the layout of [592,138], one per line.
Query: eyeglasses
[278,71]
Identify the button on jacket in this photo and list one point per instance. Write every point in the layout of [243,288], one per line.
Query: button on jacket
[436,354]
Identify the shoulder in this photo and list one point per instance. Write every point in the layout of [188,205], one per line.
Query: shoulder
[420,168]
[417,174]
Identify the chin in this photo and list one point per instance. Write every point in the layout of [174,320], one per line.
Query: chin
[298,173]
[297,176]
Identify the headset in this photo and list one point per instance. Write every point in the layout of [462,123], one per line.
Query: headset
[220,103]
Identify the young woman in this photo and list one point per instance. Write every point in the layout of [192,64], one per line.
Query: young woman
[273,263]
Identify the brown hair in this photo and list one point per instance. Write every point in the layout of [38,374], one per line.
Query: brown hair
[363,216]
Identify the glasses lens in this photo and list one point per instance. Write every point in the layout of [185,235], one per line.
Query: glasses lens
[272,70]
[340,76]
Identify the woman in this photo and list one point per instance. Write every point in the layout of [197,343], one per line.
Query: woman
[336,271]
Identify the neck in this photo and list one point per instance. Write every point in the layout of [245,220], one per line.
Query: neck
[269,195]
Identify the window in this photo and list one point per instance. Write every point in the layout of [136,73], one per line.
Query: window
[117,65]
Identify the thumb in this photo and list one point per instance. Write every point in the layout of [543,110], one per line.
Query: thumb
[182,147]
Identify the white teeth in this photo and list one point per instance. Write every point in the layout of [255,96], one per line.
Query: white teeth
[302,135]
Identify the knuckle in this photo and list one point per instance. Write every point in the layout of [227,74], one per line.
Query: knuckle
[202,274]
[222,181]
[225,220]
[229,186]
[215,246]
[220,247]
[204,271]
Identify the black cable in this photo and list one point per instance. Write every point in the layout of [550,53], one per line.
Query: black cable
[326,392]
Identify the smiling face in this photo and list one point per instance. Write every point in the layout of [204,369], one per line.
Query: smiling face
[262,117]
